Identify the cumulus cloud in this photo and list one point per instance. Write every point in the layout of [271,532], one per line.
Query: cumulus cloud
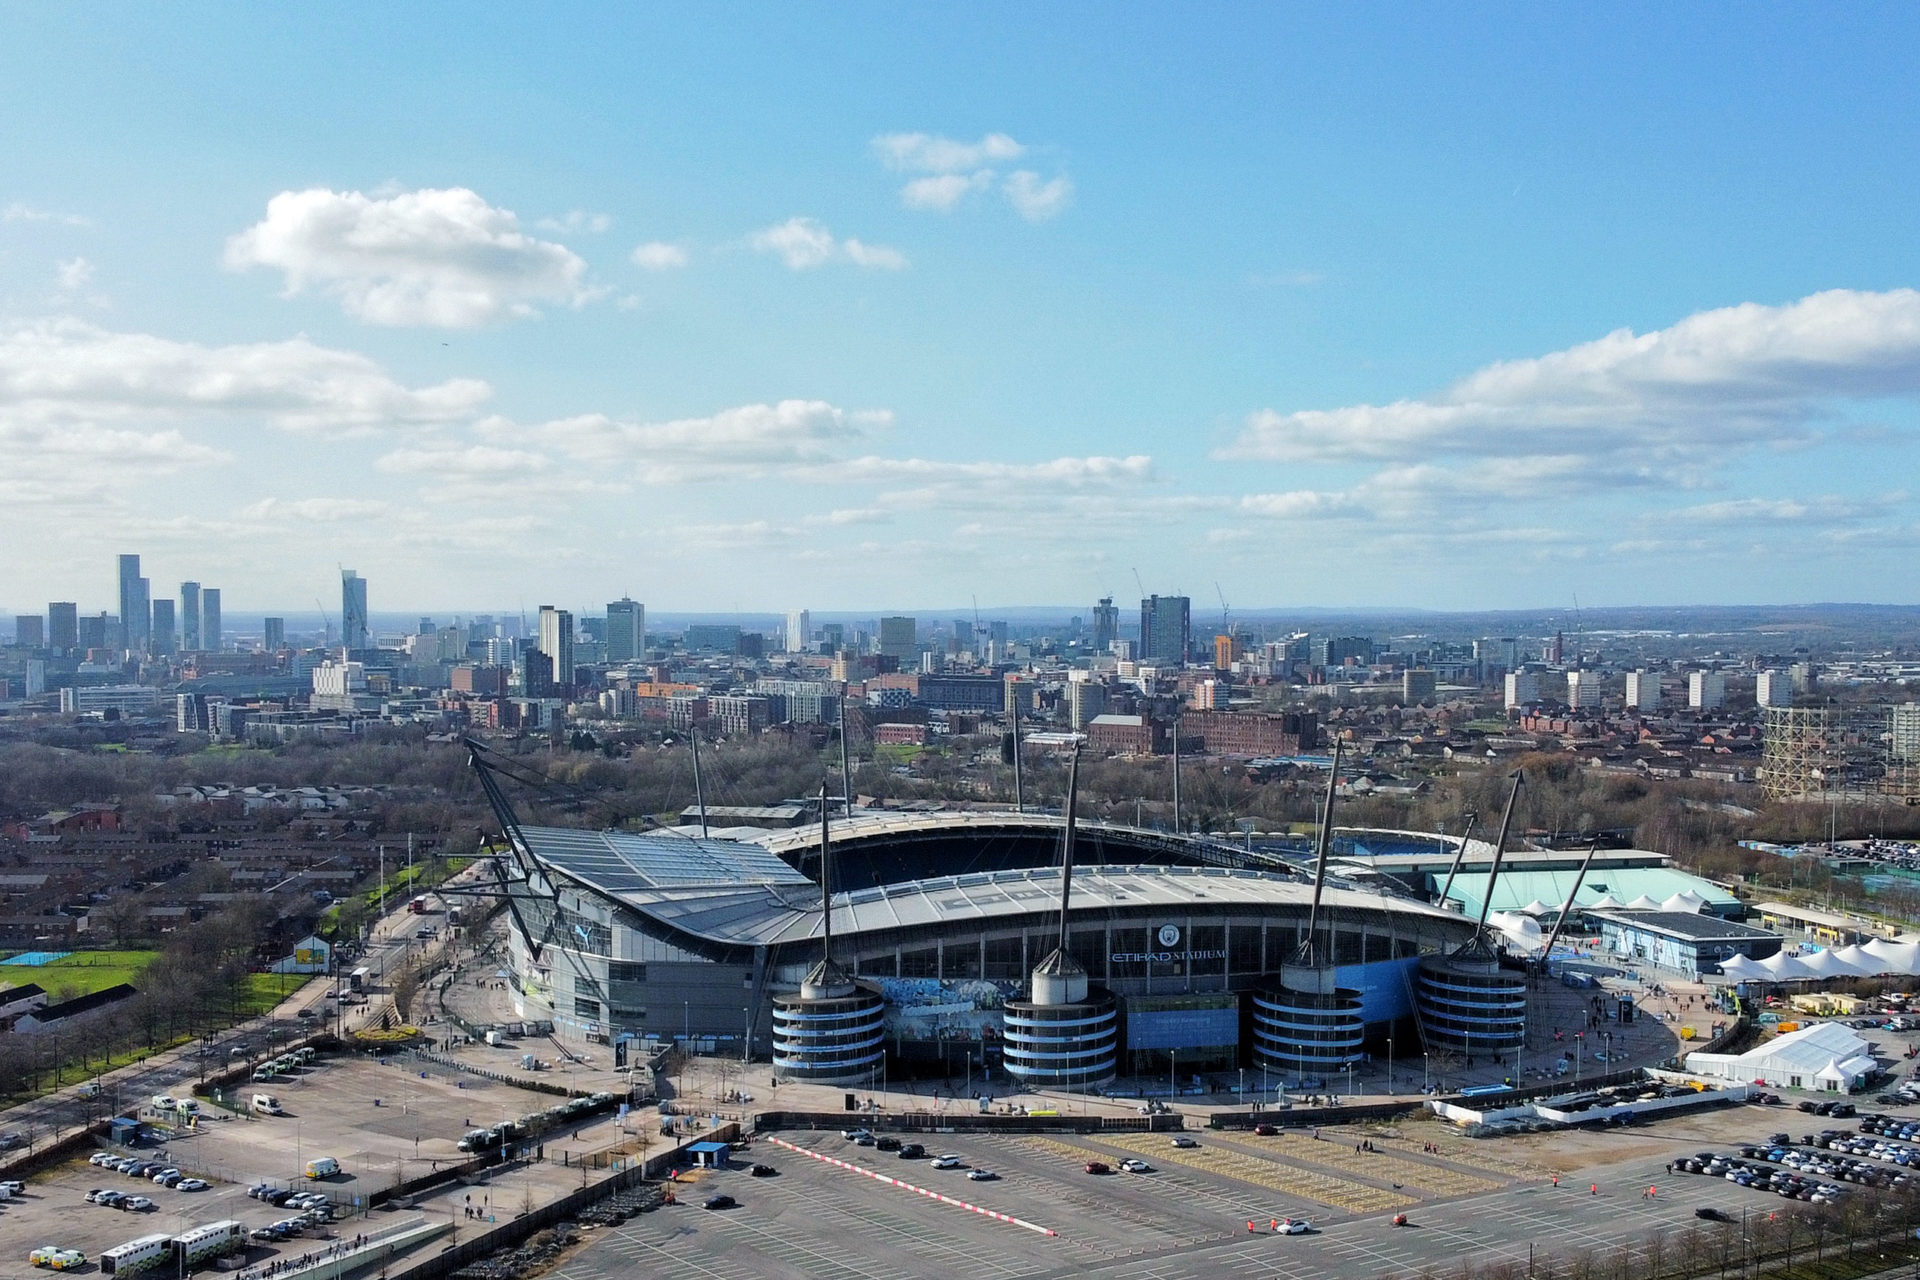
[18,211]
[1055,472]
[1826,509]
[943,191]
[1719,380]
[658,255]
[74,274]
[577,222]
[315,510]
[956,170]
[65,370]
[1035,200]
[926,153]
[749,440]
[441,258]
[803,243]
[462,460]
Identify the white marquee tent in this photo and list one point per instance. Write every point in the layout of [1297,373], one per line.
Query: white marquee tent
[1826,1057]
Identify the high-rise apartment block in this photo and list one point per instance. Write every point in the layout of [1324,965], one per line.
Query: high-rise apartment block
[1903,732]
[1106,625]
[1773,689]
[353,610]
[556,648]
[1706,690]
[1417,685]
[1166,629]
[27,631]
[161,638]
[63,625]
[190,616]
[626,630]
[1643,690]
[1523,688]
[1583,689]
[799,637]
[899,638]
[1085,700]
[136,618]
[210,623]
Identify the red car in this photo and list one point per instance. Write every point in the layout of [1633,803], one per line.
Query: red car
[1265,1130]
[1098,1166]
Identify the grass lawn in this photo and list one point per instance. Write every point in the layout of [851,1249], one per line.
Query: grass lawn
[83,972]
[261,991]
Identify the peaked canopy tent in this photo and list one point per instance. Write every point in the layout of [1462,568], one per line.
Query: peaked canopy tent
[1826,1057]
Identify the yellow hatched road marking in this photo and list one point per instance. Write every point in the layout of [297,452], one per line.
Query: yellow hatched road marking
[1270,1174]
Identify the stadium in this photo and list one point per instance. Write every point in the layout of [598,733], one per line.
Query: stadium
[945,928]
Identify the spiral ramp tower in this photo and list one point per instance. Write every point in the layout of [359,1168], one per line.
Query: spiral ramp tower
[1306,1024]
[1466,1001]
[833,1031]
[1066,1033]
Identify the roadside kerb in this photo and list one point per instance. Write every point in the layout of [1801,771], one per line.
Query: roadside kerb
[908,1186]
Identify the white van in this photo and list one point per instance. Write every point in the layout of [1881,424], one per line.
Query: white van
[324,1167]
[266,1104]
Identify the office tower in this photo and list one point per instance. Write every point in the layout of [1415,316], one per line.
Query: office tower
[962,636]
[899,639]
[799,630]
[1706,690]
[1773,689]
[1085,700]
[93,632]
[556,647]
[833,636]
[1106,624]
[135,608]
[1583,689]
[1417,685]
[1166,632]
[353,610]
[997,634]
[210,618]
[190,616]
[1523,687]
[1643,690]
[626,630]
[63,625]
[1805,677]
[27,631]
[276,634]
[1903,731]
[161,638]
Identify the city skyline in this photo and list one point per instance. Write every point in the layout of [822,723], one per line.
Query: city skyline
[1466,311]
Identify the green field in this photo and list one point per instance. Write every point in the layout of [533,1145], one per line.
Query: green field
[262,991]
[81,973]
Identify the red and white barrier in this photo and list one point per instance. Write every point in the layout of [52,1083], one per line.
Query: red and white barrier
[908,1186]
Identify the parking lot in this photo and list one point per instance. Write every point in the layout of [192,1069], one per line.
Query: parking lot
[1479,1199]
[330,1112]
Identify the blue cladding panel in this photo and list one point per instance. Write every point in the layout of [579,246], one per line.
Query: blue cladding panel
[1183,1028]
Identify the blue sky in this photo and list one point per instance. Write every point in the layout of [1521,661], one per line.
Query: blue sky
[853,307]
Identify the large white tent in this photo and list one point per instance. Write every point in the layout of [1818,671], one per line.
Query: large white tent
[1826,1057]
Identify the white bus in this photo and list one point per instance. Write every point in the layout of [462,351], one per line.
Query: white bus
[136,1255]
[210,1241]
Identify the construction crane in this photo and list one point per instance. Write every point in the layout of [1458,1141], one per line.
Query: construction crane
[326,624]
[1226,619]
[1139,584]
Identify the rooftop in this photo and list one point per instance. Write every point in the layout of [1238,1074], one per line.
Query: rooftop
[1690,925]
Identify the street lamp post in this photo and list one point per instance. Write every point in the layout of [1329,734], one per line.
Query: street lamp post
[1389,1064]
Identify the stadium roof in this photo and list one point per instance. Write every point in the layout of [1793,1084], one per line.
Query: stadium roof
[740,894]
[1515,889]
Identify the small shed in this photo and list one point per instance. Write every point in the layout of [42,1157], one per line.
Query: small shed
[710,1155]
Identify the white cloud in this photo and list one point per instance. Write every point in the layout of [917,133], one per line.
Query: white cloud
[577,222]
[750,440]
[74,274]
[65,370]
[462,460]
[1035,200]
[803,243]
[1823,509]
[443,258]
[658,255]
[1066,472]
[20,212]
[945,190]
[926,153]
[1717,381]
[315,510]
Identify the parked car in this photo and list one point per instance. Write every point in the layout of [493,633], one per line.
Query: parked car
[718,1202]
[136,1204]
[192,1184]
[1136,1166]
[1182,1140]
[912,1151]
[1098,1166]
[762,1171]
[981,1175]
[1266,1130]
[1295,1226]
[948,1161]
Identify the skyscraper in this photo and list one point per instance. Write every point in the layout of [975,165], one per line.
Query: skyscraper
[556,646]
[190,616]
[1166,629]
[799,630]
[276,634]
[63,625]
[27,631]
[161,638]
[353,610]
[210,618]
[899,638]
[136,615]
[626,630]
[1106,624]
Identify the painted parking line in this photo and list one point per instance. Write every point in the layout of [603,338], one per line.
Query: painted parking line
[908,1186]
